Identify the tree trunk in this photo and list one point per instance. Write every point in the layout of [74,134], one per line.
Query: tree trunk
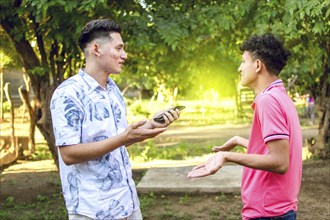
[323,140]
[321,149]
[44,120]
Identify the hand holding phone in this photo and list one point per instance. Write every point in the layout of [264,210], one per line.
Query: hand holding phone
[160,118]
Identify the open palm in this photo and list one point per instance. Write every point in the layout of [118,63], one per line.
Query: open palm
[210,167]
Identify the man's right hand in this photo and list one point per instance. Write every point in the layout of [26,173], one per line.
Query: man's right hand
[135,132]
[78,153]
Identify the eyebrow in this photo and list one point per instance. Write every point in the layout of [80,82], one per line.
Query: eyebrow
[117,44]
[120,45]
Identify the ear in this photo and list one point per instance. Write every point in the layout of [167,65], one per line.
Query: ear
[95,49]
[258,65]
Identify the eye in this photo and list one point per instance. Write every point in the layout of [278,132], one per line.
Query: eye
[119,47]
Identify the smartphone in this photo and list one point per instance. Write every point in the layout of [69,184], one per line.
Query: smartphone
[160,118]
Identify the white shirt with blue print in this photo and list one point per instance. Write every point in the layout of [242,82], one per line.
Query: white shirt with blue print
[84,112]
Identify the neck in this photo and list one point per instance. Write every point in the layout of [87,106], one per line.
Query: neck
[264,82]
[100,76]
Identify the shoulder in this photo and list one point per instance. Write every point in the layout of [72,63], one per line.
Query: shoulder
[72,82]
[270,102]
[266,99]
[71,89]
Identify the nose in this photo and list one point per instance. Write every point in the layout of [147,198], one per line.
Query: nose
[239,68]
[123,55]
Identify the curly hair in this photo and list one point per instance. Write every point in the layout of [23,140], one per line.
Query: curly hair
[97,29]
[269,50]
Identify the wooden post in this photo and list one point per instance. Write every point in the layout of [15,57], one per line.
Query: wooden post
[27,82]
[12,154]
[25,99]
[1,95]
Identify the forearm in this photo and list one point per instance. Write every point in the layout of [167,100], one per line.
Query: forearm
[261,162]
[88,151]
[83,152]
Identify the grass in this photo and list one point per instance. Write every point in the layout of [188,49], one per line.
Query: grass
[148,151]
[196,113]
[190,206]
[41,207]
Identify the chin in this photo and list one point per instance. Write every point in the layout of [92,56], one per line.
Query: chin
[115,72]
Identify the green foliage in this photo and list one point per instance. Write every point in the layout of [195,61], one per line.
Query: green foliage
[211,109]
[39,70]
[137,108]
[41,198]
[307,31]
[5,106]
[177,44]
[144,152]
[171,49]
[48,208]
[147,200]
[8,55]
[10,201]
[171,42]
[184,199]
[42,152]
[221,197]
[149,151]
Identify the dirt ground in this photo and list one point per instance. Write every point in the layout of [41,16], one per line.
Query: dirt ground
[41,178]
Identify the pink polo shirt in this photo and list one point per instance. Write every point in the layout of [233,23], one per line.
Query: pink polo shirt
[266,194]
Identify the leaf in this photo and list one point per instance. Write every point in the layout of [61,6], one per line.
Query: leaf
[319,27]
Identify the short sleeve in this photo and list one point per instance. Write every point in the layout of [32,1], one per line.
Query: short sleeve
[67,117]
[273,120]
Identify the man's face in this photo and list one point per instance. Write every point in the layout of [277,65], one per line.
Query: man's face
[112,54]
[248,70]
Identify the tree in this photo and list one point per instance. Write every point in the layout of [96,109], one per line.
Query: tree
[171,43]
[308,35]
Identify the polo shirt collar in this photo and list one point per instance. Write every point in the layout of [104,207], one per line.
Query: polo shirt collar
[276,83]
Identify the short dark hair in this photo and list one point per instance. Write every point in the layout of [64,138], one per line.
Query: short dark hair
[269,50]
[97,29]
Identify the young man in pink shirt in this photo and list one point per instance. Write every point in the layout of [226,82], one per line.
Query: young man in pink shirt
[273,162]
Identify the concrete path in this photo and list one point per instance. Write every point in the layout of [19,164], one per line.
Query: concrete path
[174,180]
